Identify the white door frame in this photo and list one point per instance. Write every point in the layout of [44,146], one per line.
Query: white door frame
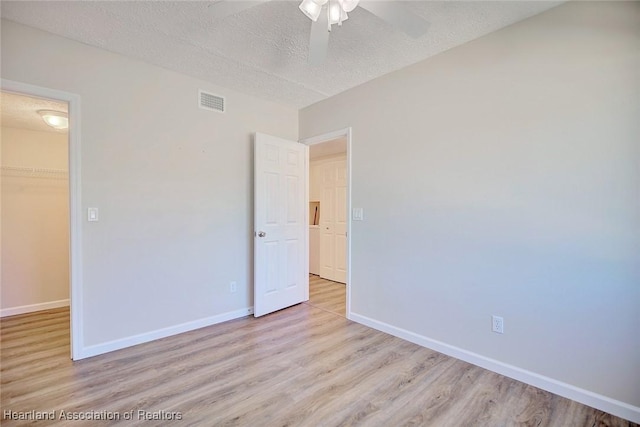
[75,205]
[346,133]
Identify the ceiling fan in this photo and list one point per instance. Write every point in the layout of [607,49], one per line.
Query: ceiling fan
[326,13]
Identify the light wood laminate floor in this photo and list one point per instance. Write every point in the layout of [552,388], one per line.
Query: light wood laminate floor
[303,366]
[327,295]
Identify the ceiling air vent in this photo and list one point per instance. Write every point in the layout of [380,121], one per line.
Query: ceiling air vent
[212,102]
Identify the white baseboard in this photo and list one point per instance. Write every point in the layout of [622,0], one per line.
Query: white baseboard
[12,311]
[595,400]
[95,350]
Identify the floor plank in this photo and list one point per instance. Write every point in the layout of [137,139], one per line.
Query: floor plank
[327,295]
[303,366]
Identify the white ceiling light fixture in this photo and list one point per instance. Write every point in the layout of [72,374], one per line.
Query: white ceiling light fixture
[55,119]
[349,5]
[312,8]
[336,13]
[337,10]
[325,13]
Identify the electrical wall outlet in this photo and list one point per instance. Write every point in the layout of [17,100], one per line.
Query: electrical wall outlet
[233,287]
[497,324]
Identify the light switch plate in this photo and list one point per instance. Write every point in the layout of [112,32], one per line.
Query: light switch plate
[92,214]
[357,214]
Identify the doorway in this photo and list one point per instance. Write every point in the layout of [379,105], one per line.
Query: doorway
[40,174]
[35,205]
[329,220]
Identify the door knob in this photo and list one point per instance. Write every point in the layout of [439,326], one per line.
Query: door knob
[261,234]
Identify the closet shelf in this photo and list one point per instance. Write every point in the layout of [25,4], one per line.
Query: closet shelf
[24,172]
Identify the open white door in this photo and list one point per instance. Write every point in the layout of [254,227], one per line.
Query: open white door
[281,264]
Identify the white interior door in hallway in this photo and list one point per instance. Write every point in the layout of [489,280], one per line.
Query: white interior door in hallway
[281,247]
[333,220]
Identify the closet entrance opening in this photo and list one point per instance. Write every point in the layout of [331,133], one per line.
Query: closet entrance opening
[35,209]
[329,221]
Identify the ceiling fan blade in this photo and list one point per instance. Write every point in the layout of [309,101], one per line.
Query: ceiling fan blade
[398,16]
[319,40]
[223,8]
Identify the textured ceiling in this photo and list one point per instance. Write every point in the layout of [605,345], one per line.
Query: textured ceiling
[263,50]
[19,111]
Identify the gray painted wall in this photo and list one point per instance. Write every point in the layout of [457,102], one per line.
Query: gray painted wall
[174,184]
[502,177]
